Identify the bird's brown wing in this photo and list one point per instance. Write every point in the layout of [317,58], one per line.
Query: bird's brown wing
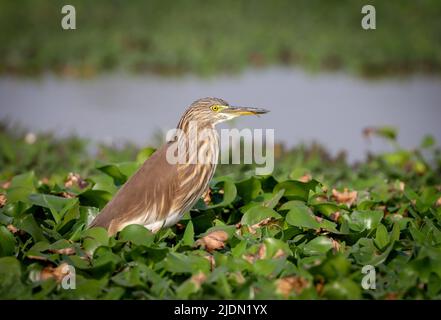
[148,196]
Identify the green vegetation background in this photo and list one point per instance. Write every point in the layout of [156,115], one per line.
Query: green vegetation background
[297,234]
[211,36]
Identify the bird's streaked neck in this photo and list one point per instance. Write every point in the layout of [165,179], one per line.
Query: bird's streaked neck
[198,141]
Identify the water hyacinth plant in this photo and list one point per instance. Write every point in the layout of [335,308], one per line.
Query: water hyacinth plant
[305,232]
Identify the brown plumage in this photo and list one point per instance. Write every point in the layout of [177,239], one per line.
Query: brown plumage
[160,192]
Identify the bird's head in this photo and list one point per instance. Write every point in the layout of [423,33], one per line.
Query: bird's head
[211,111]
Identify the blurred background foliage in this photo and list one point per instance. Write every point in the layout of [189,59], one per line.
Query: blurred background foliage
[218,36]
[48,155]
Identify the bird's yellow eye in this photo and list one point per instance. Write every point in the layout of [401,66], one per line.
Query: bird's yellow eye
[215,108]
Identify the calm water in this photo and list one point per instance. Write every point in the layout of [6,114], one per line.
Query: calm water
[330,108]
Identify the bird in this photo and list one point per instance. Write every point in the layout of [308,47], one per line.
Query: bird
[161,191]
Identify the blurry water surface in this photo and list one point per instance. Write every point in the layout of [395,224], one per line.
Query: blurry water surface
[330,108]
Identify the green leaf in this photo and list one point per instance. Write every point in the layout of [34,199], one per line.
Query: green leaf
[381,237]
[229,192]
[342,289]
[257,214]
[7,242]
[113,171]
[366,204]
[79,262]
[21,187]
[188,237]
[318,246]
[365,220]
[249,189]
[58,206]
[203,221]
[103,183]
[395,233]
[268,267]
[239,249]
[87,288]
[94,237]
[275,246]
[137,234]
[296,190]
[120,172]
[37,250]
[181,263]
[274,200]
[104,262]
[95,198]
[186,289]
[12,209]
[335,267]
[11,286]
[330,226]
[301,216]
[326,208]
[114,293]
[128,168]
[27,223]
[365,252]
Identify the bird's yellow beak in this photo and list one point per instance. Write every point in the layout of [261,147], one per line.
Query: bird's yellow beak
[243,111]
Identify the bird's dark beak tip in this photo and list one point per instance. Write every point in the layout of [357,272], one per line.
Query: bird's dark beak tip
[246,110]
[259,111]
[262,111]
